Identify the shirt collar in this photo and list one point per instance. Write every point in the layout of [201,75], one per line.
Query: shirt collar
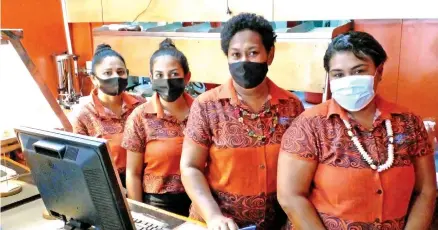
[229,92]
[156,107]
[129,102]
[384,107]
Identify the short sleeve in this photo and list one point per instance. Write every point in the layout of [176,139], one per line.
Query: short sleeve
[197,128]
[300,139]
[78,126]
[134,135]
[423,146]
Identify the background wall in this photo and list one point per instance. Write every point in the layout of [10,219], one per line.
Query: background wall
[42,24]
[411,74]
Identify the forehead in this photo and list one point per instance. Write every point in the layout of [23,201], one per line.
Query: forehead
[166,62]
[245,39]
[110,62]
[347,60]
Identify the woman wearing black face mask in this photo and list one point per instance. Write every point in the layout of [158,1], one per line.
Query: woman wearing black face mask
[233,134]
[106,110]
[154,134]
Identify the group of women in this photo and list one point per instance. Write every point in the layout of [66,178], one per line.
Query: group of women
[246,153]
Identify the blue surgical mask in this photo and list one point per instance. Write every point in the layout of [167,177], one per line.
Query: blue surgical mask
[353,93]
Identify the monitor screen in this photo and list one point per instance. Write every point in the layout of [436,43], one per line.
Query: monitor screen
[76,178]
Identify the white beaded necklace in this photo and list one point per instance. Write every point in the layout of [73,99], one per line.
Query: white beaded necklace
[365,155]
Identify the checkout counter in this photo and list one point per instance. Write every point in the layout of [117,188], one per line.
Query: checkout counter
[24,211]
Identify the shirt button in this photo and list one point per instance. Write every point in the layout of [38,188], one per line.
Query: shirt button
[262,166]
[379,191]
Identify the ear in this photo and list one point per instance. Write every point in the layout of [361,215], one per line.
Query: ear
[187,78]
[379,73]
[94,81]
[271,55]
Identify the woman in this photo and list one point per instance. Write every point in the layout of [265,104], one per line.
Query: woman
[154,134]
[105,112]
[356,161]
[229,160]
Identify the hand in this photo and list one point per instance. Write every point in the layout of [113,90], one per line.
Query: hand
[430,128]
[220,222]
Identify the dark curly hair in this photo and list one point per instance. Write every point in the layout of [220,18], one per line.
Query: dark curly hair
[167,47]
[361,44]
[249,21]
[102,51]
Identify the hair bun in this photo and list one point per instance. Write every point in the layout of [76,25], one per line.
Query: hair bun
[102,47]
[167,44]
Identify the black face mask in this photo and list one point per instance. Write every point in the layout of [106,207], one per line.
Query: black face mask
[112,86]
[169,89]
[248,74]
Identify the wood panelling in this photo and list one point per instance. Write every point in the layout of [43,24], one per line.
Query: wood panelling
[42,23]
[418,80]
[411,74]
[287,10]
[388,33]
[162,10]
[216,10]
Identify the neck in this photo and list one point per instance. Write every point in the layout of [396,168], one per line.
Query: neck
[108,100]
[366,115]
[177,105]
[258,93]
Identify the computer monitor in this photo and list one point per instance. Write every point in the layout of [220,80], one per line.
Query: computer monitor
[76,179]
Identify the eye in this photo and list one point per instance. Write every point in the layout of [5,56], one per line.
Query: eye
[359,72]
[235,55]
[338,75]
[107,73]
[121,72]
[174,74]
[158,75]
[253,53]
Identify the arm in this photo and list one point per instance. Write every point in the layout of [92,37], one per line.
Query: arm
[193,160]
[293,187]
[424,195]
[297,163]
[192,165]
[134,170]
[78,126]
[134,141]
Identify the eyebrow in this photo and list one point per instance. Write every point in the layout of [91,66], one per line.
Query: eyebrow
[360,65]
[354,67]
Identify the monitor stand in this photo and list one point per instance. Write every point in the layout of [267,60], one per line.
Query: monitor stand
[75,225]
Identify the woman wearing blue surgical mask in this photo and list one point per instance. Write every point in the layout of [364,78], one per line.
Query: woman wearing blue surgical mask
[356,161]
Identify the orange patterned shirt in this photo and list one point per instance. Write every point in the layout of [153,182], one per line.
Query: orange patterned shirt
[242,170]
[93,119]
[159,136]
[346,192]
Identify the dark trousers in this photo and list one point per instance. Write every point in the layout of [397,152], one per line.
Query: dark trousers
[178,203]
[122,177]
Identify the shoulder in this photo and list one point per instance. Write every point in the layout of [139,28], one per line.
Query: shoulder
[84,109]
[320,110]
[212,94]
[143,109]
